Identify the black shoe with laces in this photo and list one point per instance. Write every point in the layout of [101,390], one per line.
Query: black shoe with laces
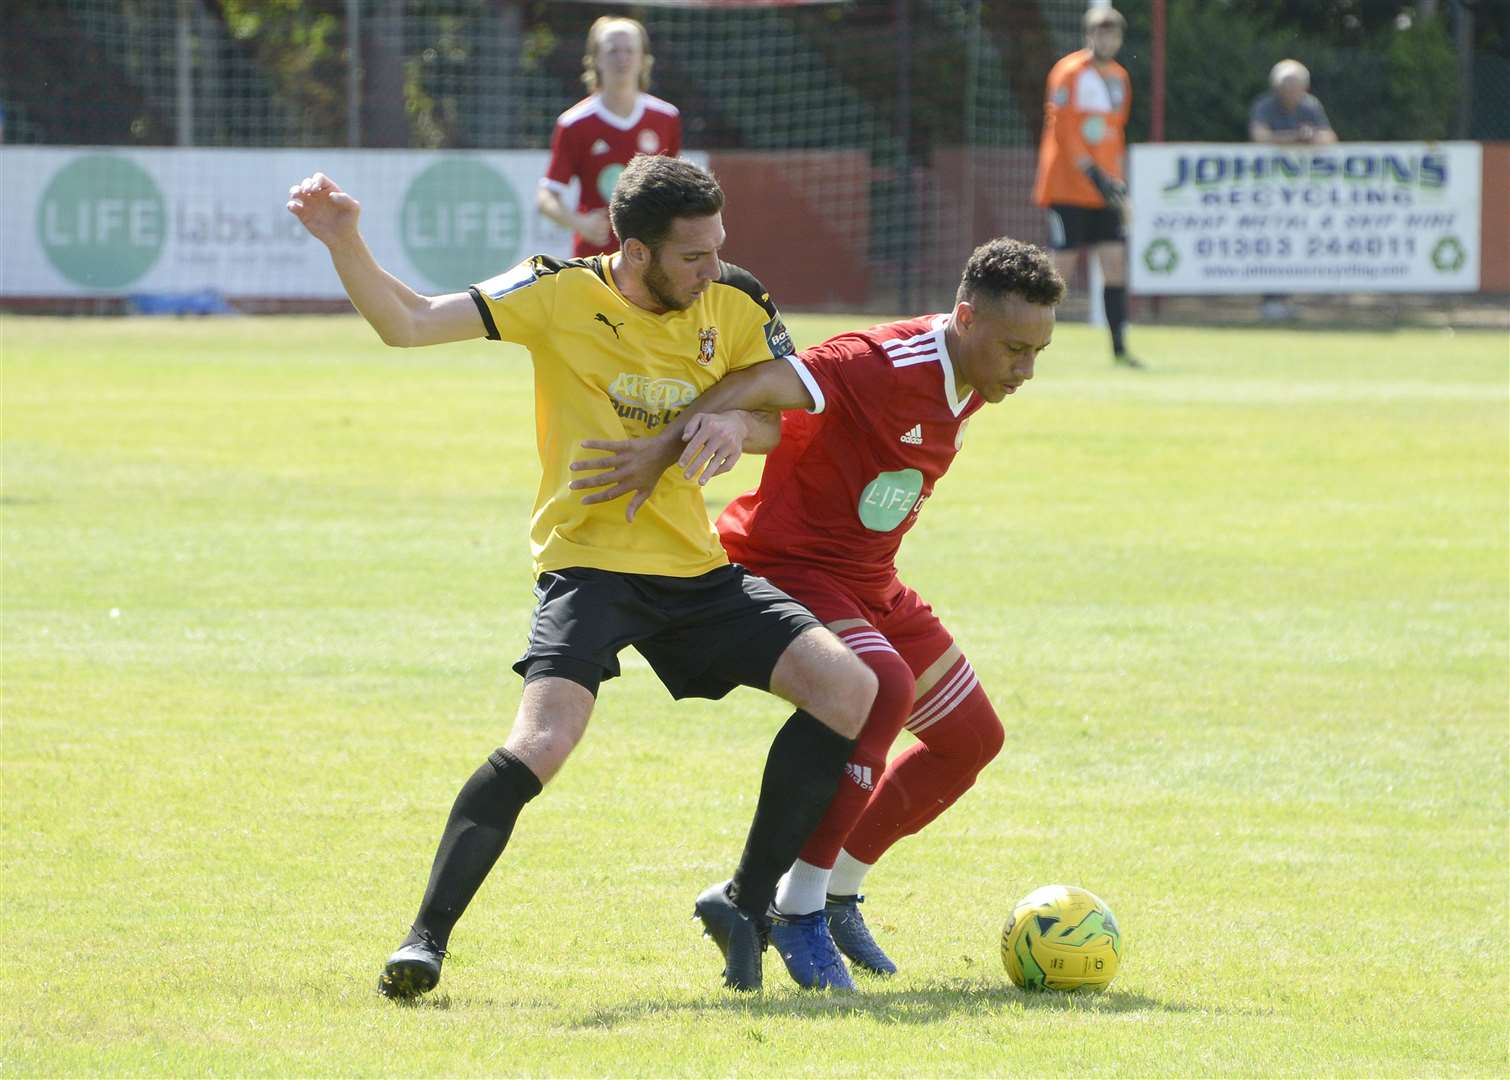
[413,969]
[739,937]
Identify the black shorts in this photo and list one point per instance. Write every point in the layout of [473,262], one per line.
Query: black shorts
[702,636]
[1072,227]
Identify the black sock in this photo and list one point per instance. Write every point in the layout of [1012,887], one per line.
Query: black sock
[1114,301]
[476,832]
[801,776]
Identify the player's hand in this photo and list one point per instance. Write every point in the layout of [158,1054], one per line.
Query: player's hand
[1114,191]
[593,226]
[1116,196]
[324,209]
[714,442]
[631,467]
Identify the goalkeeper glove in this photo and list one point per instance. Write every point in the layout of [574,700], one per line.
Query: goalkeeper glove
[1114,191]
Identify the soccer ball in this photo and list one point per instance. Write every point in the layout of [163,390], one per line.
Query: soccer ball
[1061,938]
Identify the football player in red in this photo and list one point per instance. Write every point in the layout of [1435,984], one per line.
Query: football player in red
[871,420]
[595,138]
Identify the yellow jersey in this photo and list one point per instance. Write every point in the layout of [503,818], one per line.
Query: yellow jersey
[608,369]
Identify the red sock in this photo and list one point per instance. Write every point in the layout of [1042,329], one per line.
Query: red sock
[894,695]
[959,734]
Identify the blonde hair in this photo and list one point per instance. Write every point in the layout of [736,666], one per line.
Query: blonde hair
[1284,69]
[1103,15]
[595,33]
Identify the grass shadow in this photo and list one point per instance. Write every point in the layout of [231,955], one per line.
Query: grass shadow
[434,1002]
[928,1004]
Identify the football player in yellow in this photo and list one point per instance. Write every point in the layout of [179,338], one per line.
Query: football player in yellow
[621,344]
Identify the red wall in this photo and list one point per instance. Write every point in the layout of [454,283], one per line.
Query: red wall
[1494,242]
[800,222]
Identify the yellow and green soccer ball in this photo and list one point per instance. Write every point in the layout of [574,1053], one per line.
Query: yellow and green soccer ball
[1061,938]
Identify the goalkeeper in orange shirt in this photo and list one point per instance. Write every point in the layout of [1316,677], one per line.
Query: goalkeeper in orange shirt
[1080,177]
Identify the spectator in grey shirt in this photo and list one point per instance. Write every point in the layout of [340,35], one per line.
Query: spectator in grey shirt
[1289,113]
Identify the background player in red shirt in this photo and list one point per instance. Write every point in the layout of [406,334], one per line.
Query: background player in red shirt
[885,414]
[595,138]
[1080,176]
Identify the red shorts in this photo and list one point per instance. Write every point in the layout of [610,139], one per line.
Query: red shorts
[901,615]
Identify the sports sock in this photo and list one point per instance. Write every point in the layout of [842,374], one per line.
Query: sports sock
[1114,302]
[802,889]
[895,689]
[801,773]
[847,875]
[959,733]
[476,833]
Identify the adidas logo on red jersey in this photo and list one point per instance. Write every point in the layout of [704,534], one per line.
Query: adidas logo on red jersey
[914,435]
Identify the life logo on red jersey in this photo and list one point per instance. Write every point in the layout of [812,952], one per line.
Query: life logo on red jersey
[607,179]
[889,498]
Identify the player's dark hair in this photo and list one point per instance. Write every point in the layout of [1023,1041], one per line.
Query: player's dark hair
[1005,267]
[654,190]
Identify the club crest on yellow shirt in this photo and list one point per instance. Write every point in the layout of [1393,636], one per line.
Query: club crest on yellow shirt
[706,340]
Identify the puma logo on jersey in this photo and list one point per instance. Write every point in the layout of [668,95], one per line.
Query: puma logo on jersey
[614,326]
[861,775]
[914,435]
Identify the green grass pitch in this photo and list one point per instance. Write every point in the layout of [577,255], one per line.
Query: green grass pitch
[1245,618]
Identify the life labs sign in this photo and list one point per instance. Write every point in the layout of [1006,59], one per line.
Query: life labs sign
[1351,217]
[97,221]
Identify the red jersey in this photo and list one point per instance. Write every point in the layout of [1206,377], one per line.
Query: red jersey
[849,478]
[593,145]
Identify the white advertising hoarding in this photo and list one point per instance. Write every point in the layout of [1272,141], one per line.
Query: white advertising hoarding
[93,221]
[1351,217]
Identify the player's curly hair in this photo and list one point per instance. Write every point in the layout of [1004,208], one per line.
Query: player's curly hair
[590,77]
[654,190]
[1005,267]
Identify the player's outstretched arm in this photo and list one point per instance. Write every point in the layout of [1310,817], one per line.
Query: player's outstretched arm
[764,434]
[702,436]
[593,225]
[725,437]
[401,316]
[769,387]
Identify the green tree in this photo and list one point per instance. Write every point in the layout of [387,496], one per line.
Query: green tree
[298,46]
[1423,87]
[1207,91]
[1381,71]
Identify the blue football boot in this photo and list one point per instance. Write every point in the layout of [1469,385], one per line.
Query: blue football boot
[850,933]
[740,938]
[413,969]
[811,959]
